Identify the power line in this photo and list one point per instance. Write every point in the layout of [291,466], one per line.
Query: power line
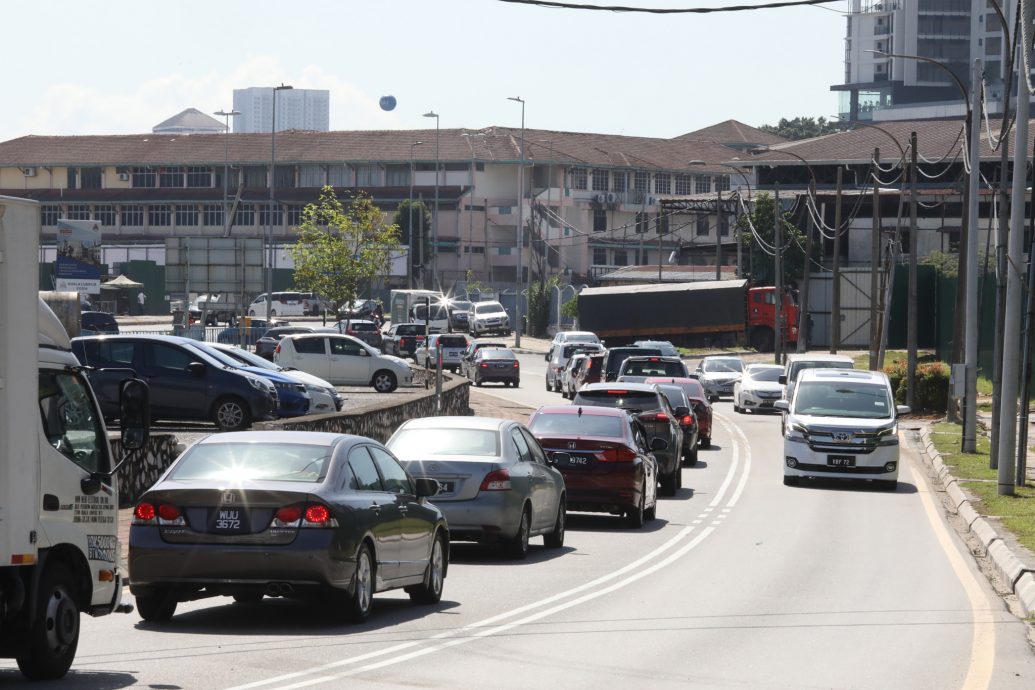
[657,10]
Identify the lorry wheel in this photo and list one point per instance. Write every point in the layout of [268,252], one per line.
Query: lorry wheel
[231,414]
[49,647]
[156,606]
[762,340]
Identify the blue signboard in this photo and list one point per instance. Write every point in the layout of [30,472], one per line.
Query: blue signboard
[78,265]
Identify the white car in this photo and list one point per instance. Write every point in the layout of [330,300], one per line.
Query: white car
[718,374]
[759,388]
[575,337]
[558,357]
[342,360]
[452,345]
[489,318]
[842,424]
[325,397]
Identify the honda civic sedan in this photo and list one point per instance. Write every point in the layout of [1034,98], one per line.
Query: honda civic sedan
[326,518]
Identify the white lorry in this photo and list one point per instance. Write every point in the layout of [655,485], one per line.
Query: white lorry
[59,547]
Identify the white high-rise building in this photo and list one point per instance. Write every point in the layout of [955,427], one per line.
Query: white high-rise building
[307,109]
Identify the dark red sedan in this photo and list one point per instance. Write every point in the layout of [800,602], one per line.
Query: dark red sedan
[605,457]
[698,400]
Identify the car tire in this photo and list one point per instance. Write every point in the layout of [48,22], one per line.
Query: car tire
[49,646]
[651,513]
[430,591]
[384,381]
[706,442]
[360,600]
[788,480]
[555,539]
[737,408]
[248,597]
[156,606]
[517,546]
[549,388]
[691,457]
[635,517]
[478,382]
[668,483]
[231,414]
[251,312]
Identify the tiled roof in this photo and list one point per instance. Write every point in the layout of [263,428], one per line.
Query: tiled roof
[733,132]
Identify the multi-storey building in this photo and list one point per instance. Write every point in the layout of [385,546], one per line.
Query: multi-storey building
[307,109]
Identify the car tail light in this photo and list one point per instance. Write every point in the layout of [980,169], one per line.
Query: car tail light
[144,514]
[660,417]
[688,420]
[653,359]
[168,512]
[318,515]
[484,365]
[618,392]
[277,349]
[288,515]
[516,365]
[620,454]
[402,342]
[496,481]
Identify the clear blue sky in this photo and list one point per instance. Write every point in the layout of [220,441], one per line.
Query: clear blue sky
[120,67]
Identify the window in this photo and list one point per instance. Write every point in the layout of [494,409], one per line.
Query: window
[254,175]
[264,215]
[702,225]
[338,176]
[599,220]
[70,421]
[642,221]
[104,214]
[368,175]
[170,177]
[364,473]
[186,214]
[599,256]
[73,175]
[199,177]
[662,183]
[477,249]
[213,215]
[132,216]
[724,225]
[170,358]
[524,454]
[159,215]
[641,181]
[284,176]
[578,178]
[394,476]
[310,176]
[89,178]
[294,214]
[310,346]
[112,354]
[683,184]
[245,215]
[722,183]
[78,212]
[662,223]
[344,346]
[702,184]
[397,175]
[144,177]
[619,180]
[621,257]
[994,46]
[50,214]
[599,180]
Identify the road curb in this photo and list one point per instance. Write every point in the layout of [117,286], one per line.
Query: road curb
[1007,563]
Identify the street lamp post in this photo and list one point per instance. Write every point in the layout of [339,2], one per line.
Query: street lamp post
[227,114]
[520,227]
[268,282]
[409,221]
[434,221]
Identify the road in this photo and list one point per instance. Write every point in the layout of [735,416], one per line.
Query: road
[740,582]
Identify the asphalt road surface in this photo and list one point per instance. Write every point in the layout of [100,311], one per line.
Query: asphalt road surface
[741,582]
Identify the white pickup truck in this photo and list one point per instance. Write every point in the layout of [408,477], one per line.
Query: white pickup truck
[59,547]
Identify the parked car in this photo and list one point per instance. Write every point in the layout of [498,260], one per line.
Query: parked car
[472,349]
[359,309]
[266,344]
[617,355]
[314,305]
[367,331]
[293,400]
[343,360]
[571,371]
[496,483]
[698,402]
[591,372]
[325,397]
[558,358]
[247,333]
[637,369]
[403,339]
[842,424]
[300,515]
[452,346]
[667,348]
[460,314]
[495,364]
[186,384]
[97,322]
[759,388]
[489,318]
[651,407]
[606,459]
[686,418]
[718,374]
[289,303]
[216,308]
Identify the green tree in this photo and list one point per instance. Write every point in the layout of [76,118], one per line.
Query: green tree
[570,309]
[804,127]
[759,237]
[539,306]
[341,247]
[409,217]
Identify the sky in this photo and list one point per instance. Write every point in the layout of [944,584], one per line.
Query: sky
[121,67]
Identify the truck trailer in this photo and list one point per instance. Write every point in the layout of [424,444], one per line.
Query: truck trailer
[59,547]
[704,313]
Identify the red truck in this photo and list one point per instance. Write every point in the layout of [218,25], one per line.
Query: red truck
[704,313]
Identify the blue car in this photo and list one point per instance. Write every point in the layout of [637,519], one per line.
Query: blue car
[293,399]
[247,335]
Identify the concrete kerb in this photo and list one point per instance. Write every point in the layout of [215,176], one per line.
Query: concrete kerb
[1007,563]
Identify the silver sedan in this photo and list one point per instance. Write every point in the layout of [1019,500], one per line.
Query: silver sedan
[496,483]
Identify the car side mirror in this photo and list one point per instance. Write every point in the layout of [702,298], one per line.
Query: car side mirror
[134,414]
[782,380]
[658,443]
[196,368]
[426,486]
[558,457]
[782,405]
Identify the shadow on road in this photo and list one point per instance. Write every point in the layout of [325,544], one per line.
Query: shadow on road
[589,522]
[851,485]
[95,680]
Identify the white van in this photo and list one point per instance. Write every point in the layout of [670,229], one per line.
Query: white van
[282,304]
[798,363]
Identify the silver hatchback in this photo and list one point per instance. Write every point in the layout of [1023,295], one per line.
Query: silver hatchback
[496,483]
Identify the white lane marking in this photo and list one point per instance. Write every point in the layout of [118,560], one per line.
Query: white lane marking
[311,680]
[982,646]
[747,461]
[733,468]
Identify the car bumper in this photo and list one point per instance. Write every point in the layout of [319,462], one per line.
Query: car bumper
[802,461]
[612,492]
[751,401]
[493,515]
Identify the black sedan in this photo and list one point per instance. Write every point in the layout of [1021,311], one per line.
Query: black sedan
[327,518]
[495,364]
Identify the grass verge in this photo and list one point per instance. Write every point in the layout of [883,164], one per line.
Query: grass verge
[1016,513]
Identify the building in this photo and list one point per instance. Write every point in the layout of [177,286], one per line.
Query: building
[307,109]
[190,121]
[592,202]
[951,32]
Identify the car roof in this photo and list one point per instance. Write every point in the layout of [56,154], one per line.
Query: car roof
[582,409]
[659,358]
[179,340]
[857,375]
[487,423]
[721,357]
[818,357]
[310,438]
[623,385]
[758,366]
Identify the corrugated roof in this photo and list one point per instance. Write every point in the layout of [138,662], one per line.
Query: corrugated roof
[190,119]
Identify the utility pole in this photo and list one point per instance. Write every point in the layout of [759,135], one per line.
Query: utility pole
[778,275]
[835,291]
[971,344]
[803,303]
[1026,352]
[911,303]
[1002,239]
[718,233]
[874,260]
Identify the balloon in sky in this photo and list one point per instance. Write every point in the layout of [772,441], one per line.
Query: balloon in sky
[387,102]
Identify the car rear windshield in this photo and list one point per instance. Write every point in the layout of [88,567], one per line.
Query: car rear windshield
[488,308]
[363,326]
[419,443]
[234,462]
[840,399]
[616,356]
[722,365]
[675,395]
[798,367]
[411,329]
[489,353]
[576,425]
[653,367]
[619,397]
[452,341]
[570,350]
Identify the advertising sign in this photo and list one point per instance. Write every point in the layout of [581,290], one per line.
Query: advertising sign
[78,264]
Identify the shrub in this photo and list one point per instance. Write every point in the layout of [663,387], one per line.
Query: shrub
[932,385]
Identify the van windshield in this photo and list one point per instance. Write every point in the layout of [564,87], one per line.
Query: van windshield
[488,308]
[841,399]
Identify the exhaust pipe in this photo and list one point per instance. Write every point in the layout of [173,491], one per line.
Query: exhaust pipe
[279,589]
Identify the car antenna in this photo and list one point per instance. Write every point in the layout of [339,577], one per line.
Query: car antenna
[580,411]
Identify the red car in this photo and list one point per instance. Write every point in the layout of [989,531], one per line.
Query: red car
[607,462]
[698,400]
